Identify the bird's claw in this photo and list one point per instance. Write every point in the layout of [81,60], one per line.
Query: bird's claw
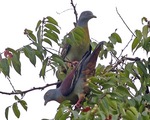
[72,64]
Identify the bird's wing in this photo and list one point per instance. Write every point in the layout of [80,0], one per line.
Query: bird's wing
[84,68]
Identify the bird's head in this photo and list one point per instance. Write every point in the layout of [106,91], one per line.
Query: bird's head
[49,96]
[85,17]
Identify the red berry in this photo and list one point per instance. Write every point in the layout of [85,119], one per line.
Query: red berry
[86,109]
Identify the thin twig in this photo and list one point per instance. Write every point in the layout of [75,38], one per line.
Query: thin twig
[125,22]
[75,11]
[63,11]
[11,84]
[32,89]
[125,46]
[51,49]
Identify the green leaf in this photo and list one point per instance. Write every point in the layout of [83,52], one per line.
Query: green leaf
[141,68]
[138,34]
[52,27]
[133,110]
[39,54]
[132,85]
[93,44]
[23,104]
[16,63]
[16,98]
[115,38]
[57,59]
[47,41]
[145,31]
[103,106]
[135,43]
[32,36]
[16,110]
[39,46]
[38,24]
[12,50]
[112,104]
[53,36]
[109,46]
[123,91]
[4,65]
[42,72]
[147,97]
[52,32]
[129,67]
[29,52]
[52,20]
[64,116]
[6,112]
[130,115]
[58,114]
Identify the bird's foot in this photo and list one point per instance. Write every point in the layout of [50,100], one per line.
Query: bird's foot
[78,104]
[72,64]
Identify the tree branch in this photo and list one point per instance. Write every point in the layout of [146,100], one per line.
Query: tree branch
[125,46]
[75,11]
[29,90]
[125,22]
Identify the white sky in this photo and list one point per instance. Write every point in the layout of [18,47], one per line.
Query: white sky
[16,15]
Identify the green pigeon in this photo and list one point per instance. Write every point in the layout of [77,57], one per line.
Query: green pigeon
[77,45]
[74,87]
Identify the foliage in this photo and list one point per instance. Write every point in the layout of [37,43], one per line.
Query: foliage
[114,93]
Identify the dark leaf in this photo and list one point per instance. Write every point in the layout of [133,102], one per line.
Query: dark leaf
[6,112]
[16,63]
[52,20]
[29,52]
[16,110]
[141,68]
[58,60]
[42,72]
[5,67]
[23,104]
[32,36]
[129,67]
[39,54]
[147,97]
[47,41]
[123,91]
[16,98]
[38,24]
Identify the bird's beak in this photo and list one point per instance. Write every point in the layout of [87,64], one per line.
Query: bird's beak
[45,103]
[94,16]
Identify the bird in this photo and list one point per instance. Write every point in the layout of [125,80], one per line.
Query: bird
[74,87]
[73,51]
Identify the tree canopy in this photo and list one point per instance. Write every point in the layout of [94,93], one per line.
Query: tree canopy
[114,90]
